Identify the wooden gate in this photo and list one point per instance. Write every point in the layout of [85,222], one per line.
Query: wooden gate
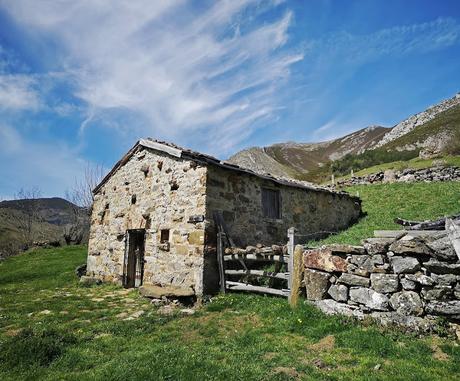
[286,263]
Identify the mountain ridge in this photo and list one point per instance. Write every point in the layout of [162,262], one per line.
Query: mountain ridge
[302,160]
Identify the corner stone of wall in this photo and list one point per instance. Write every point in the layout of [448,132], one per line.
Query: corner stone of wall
[408,281]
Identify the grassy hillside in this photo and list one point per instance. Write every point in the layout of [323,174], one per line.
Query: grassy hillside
[384,202]
[52,328]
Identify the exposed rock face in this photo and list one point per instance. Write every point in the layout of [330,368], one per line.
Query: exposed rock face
[409,124]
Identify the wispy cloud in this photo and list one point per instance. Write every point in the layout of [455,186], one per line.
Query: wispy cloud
[18,92]
[398,40]
[181,69]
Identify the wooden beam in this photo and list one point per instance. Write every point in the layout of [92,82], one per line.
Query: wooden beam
[267,274]
[256,257]
[237,286]
[296,275]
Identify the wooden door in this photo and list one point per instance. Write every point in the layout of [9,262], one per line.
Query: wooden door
[134,258]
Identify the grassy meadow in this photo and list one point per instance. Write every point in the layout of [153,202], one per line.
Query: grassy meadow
[52,328]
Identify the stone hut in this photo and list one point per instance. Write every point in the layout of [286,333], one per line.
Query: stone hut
[152,218]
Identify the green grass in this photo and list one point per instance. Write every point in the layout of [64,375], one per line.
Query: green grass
[384,202]
[53,329]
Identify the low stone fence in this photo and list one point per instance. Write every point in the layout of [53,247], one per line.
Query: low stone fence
[438,173]
[409,278]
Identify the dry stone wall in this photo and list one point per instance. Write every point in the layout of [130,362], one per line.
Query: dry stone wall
[407,280]
[438,173]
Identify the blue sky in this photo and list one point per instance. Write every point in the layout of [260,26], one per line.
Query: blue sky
[81,81]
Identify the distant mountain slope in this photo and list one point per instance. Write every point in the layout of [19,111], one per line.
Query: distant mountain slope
[297,159]
[53,215]
[433,131]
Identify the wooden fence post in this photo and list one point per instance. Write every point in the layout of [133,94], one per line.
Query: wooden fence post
[220,261]
[291,246]
[296,276]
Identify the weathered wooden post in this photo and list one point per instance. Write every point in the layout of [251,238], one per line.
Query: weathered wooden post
[220,261]
[291,247]
[296,275]
[333,179]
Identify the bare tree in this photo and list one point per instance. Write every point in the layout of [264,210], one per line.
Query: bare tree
[81,196]
[29,207]
[82,191]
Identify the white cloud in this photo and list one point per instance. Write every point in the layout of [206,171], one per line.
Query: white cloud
[18,92]
[182,69]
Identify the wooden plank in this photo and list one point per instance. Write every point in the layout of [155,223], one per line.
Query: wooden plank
[267,274]
[256,257]
[291,246]
[237,286]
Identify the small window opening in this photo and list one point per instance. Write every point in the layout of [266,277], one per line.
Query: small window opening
[133,199]
[271,203]
[164,236]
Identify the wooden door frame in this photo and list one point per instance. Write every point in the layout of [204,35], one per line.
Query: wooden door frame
[129,280]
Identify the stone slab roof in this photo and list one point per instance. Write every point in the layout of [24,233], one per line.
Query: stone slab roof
[188,154]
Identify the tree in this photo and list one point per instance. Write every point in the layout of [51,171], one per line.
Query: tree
[28,216]
[81,197]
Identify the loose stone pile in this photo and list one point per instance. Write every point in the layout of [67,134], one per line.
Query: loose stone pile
[408,279]
[438,173]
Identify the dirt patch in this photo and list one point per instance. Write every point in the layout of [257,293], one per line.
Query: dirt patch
[325,344]
[269,356]
[13,332]
[438,353]
[291,372]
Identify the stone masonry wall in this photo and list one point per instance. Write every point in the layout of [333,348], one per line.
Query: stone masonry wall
[152,191]
[407,280]
[239,197]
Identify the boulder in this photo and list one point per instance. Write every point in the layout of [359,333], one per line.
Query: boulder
[322,259]
[403,265]
[407,303]
[316,284]
[353,280]
[331,307]
[389,176]
[157,292]
[442,268]
[413,246]
[384,282]
[370,298]
[338,292]
[377,245]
